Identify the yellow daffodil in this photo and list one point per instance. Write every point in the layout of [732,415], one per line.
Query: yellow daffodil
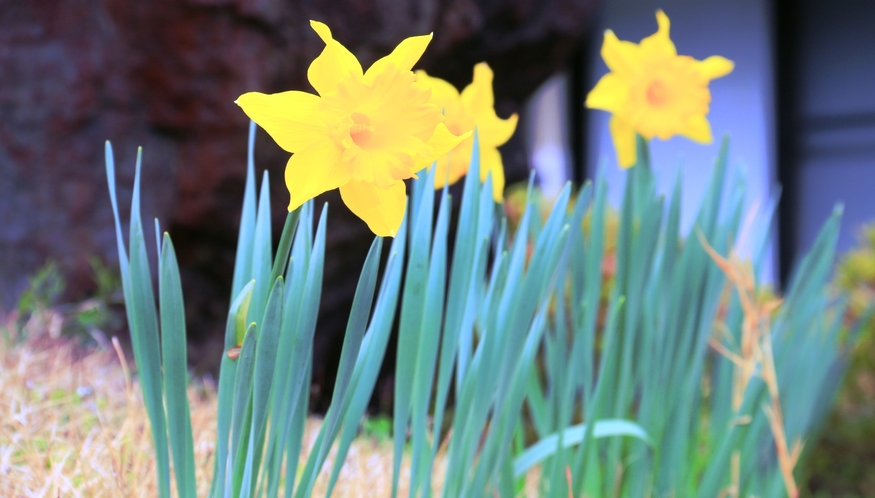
[653,91]
[365,133]
[474,107]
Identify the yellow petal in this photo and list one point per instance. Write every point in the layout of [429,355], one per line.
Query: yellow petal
[314,169]
[479,99]
[443,94]
[611,93]
[452,166]
[441,142]
[478,95]
[495,131]
[441,172]
[404,57]
[382,209]
[621,56]
[715,67]
[663,22]
[490,163]
[698,129]
[624,142]
[659,43]
[290,118]
[333,65]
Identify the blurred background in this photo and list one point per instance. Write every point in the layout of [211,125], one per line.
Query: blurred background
[799,107]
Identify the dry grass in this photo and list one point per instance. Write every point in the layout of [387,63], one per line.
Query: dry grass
[72,423]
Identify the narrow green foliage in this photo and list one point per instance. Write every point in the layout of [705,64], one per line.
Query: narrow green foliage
[142,317]
[600,347]
[242,265]
[571,436]
[228,367]
[241,413]
[350,352]
[373,349]
[173,350]
[410,332]
[265,362]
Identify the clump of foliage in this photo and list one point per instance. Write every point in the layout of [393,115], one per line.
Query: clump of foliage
[841,463]
[648,362]
[676,373]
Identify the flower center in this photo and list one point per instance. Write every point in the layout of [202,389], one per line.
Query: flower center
[361,130]
[657,94]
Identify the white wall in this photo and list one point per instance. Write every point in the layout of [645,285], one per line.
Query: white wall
[547,137]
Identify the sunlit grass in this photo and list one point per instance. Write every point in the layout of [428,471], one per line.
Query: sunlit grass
[73,423]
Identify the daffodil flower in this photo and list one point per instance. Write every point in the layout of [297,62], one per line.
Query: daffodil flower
[474,107]
[365,133]
[653,91]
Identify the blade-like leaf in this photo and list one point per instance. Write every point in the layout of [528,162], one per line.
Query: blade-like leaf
[173,342]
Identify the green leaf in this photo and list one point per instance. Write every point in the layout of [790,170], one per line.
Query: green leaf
[173,342]
[245,237]
[372,351]
[574,435]
[411,319]
[282,253]
[265,362]
[227,378]
[426,355]
[241,415]
[243,301]
[261,251]
[142,318]
[355,330]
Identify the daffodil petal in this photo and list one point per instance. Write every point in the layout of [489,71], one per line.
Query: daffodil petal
[621,56]
[491,163]
[441,142]
[404,57]
[624,142]
[478,95]
[290,118]
[716,67]
[479,98]
[659,43]
[313,170]
[382,209]
[610,94]
[663,22]
[698,129]
[333,65]
[452,166]
[495,131]
[441,172]
[654,92]
[443,94]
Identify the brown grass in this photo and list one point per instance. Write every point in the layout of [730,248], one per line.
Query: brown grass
[754,357]
[73,424]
